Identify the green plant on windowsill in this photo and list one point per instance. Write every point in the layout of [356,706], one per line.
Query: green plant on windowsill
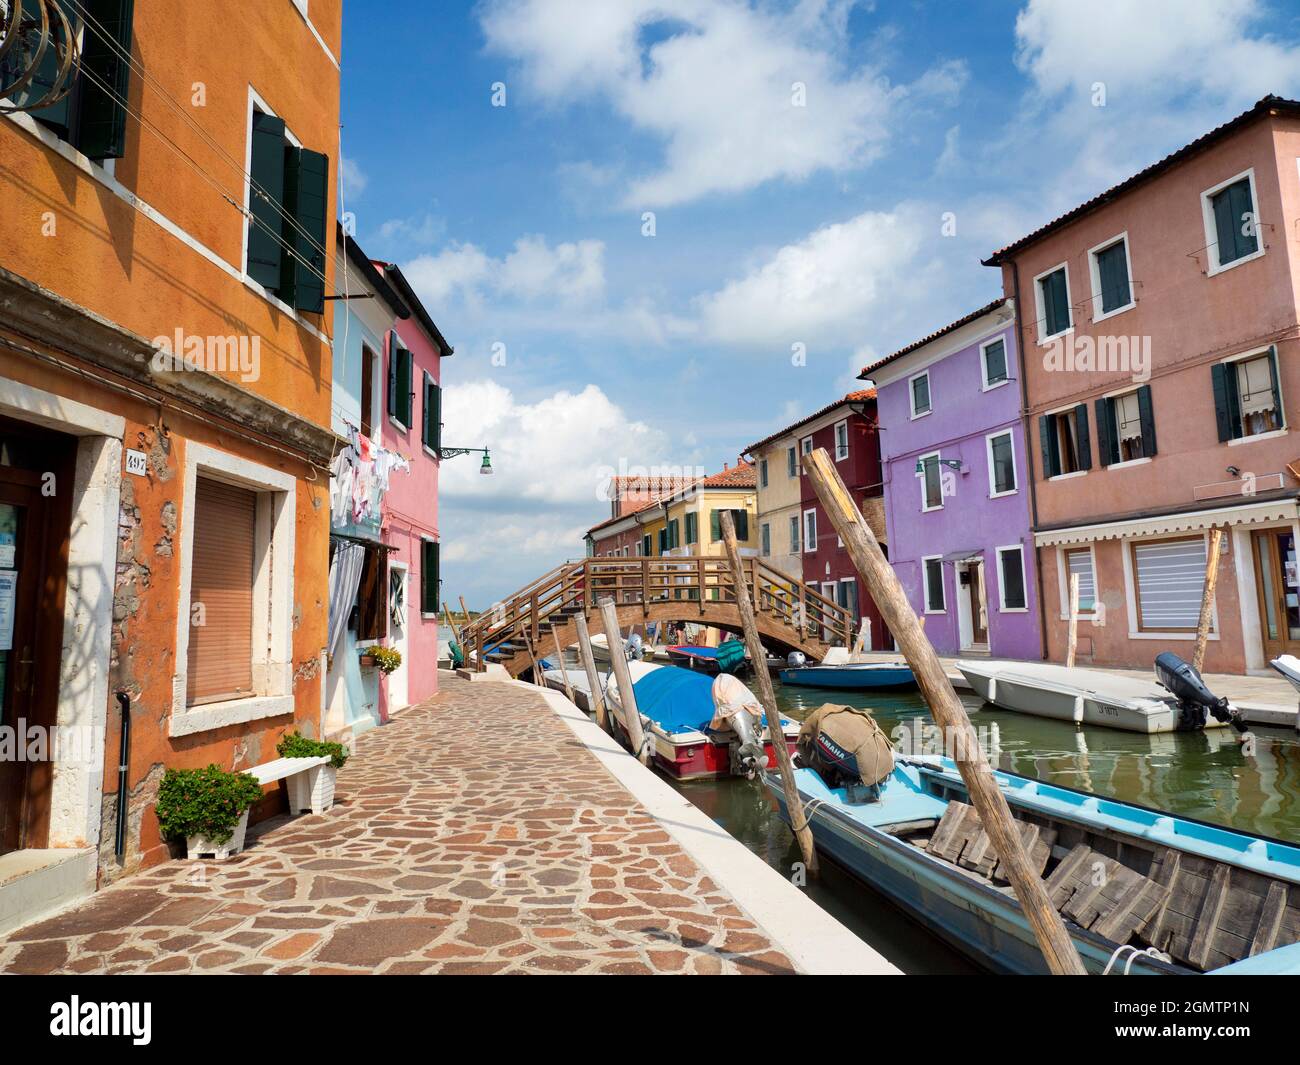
[204,802]
[386,659]
[296,745]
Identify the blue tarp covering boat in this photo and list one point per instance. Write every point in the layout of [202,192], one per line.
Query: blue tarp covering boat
[852,676]
[727,657]
[678,700]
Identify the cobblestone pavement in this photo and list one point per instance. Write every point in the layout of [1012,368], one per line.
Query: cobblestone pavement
[473,834]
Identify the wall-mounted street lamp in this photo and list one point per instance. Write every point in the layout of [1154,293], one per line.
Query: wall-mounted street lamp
[952,464]
[452,452]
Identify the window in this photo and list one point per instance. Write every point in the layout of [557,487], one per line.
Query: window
[219,662]
[806,445]
[1011,577]
[794,534]
[919,389]
[1248,396]
[993,363]
[287,198]
[740,518]
[673,540]
[810,530]
[645,545]
[92,115]
[1112,289]
[399,381]
[931,482]
[1002,464]
[932,577]
[367,391]
[1053,292]
[1126,428]
[1079,561]
[1170,577]
[791,463]
[1064,440]
[1231,222]
[431,432]
[692,527]
[766,539]
[430,577]
[841,441]
[762,473]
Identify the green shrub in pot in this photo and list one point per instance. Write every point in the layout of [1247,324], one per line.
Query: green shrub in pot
[204,802]
[296,745]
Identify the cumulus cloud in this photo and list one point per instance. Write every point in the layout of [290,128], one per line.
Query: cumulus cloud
[738,94]
[353,177]
[571,272]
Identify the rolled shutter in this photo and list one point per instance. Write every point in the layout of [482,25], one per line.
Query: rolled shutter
[101,119]
[265,196]
[219,658]
[1147,417]
[1277,387]
[1107,445]
[1048,444]
[306,197]
[1225,400]
[1081,434]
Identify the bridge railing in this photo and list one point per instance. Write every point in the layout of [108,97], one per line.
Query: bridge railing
[688,579]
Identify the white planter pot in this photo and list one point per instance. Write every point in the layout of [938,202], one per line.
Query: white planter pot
[202,847]
[312,791]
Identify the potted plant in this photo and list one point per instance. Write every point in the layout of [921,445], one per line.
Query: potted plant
[208,808]
[315,790]
[386,658]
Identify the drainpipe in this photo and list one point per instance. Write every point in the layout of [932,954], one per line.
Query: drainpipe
[1029,455]
[123,765]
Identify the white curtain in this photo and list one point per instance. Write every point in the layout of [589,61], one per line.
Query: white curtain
[345,579]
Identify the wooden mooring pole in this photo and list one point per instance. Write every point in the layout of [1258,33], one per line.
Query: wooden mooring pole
[626,696]
[559,655]
[991,805]
[593,678]
[745,604]
[1072,641]
[1207,597]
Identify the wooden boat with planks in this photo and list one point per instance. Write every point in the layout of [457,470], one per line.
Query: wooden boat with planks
[1129,881]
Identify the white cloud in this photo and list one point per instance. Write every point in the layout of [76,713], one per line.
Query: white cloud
[572,273]
[354,178]
[419,230]
[715,81]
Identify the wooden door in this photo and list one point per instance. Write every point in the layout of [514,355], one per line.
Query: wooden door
[1277,583]
[979,625]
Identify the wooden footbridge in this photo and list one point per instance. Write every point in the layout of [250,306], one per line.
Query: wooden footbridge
[791,615]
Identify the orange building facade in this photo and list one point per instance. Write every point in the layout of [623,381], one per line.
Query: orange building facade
[165,379]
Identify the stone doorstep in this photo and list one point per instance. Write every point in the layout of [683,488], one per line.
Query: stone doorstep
[37,883]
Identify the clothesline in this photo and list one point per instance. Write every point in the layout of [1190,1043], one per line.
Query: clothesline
[359,478]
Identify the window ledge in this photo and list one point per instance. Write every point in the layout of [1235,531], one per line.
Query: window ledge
[1003,495]
[209,716]
[1221,268]
[1117,311]
[923,414]
[1089,618]
[1068,476]
[1272,434]
[1168,635]
[995,384]
[402,429]
[1044,341]
[1013,610]
[1129,462]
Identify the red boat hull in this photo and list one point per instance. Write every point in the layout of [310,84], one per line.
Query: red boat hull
[698,760]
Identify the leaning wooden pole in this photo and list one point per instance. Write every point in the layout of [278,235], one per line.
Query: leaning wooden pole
[451,624]
[559,658]
[745,604]
[1207,597]
[995,815]
[593,678]
[626,696]
[1072,639]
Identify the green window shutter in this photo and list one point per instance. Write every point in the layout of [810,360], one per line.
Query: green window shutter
[1243,212]
[1056,305]
[645,545]
[663,540]
[101,115]
[1107,444]
[1081,434]
[692,527]
[1047,438]
[435,418]
[424,409]
[404,385]
[1146,415]
[1112,270]
[1277,387]
[742,524]
[267,172]
[392,372]
[430,576]
[715,525]
[1226,405]
[306,197]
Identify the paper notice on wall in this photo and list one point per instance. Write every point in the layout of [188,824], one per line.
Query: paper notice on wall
[1291,575]
[7,550]
[8,596]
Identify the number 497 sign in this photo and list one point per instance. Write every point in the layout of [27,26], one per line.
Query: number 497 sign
[137,463]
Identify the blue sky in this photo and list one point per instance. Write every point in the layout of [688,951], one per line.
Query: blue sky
[800,160]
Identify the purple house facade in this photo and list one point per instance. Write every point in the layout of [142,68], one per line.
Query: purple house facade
[957,483]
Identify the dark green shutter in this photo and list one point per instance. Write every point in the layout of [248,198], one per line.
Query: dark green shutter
[1245,243]
[430,576]
[392,373]
[742,524]
[1226,402]
[1277,387]
[1047,440]
[1112,270]
[1107,444]
[101,118]
[645,545]
[1148,419]
[1081,435]
[1056,304]
[266,169]
[435,418]
[715,525]
[306,197]
[404,385]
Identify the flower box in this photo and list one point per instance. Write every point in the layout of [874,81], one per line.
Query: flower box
[202,847]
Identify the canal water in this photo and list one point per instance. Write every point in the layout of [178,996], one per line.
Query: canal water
[1201,774]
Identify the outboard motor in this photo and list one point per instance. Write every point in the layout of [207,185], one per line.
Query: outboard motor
[634,647]
[737,708]
[796,660]
[1195,700]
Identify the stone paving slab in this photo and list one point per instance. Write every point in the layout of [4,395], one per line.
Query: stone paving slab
[473,834]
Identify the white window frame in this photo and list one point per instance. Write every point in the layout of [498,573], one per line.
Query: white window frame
[920,476]
[796,526]
[835,435]
[811,512]
[1024,582]
[1212,264]
[765,539]
[273,593]
[1063,579]
[1040,325]
[1245,356]
[984,370]
[762,473]
[925,584]
[805,446]
[1135,632]
[911,395]
[1094,277]
[791,462]
[1069,409]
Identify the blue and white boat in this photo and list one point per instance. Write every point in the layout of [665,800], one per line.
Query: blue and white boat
[1207,899]
[852,676]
